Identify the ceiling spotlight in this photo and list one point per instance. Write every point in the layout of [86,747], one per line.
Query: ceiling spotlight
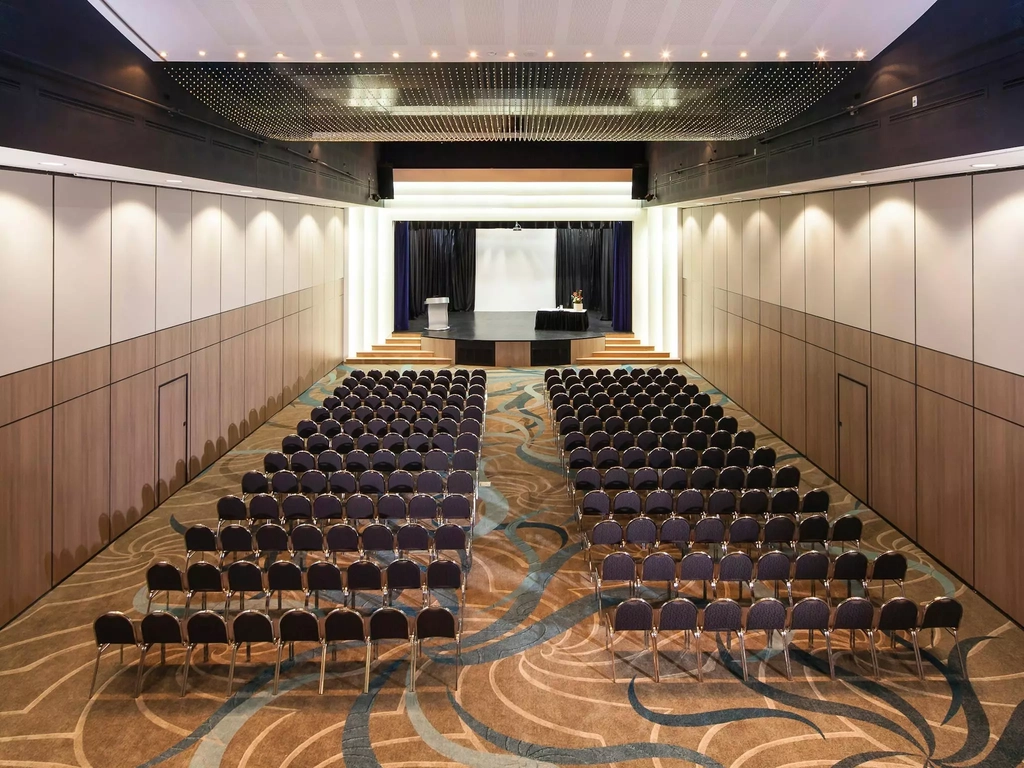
[588,54]
[785,192]
[52,164]
[511,54]
[821,53]
[665,54]
[650,196]
[983,165]
[318,55]
[163,54]
[434,54]
[395,54]
[858,181]
[375,197]
[241,54]
[703,54]
[626,54]
[357,55]
[550,54]
[173,181]
[783,54]
[280,55]
[860,54]
[517,227]
[202,53]
[472,54]
[743,54]
[245,191]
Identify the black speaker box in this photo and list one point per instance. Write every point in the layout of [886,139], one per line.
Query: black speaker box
[639,182]
[386,182]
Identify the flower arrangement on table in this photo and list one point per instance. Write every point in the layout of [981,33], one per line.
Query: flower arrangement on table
[576,299]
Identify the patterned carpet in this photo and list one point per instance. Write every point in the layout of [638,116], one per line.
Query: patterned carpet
[536,687]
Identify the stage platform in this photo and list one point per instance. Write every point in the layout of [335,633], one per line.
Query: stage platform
[508,339]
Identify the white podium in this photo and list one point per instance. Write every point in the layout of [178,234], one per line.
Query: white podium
[437,313]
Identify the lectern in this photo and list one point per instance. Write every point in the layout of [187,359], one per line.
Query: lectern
[437,313]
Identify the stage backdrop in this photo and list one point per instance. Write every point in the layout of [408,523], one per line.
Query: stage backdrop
[515,271]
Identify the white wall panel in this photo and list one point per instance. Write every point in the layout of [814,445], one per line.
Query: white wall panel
[330,237]
[720,243]
[670,294]
[792,252]
[944,265]
[385,277]
[656,278]
[132,261]
[771,265]
[232,253]
[173,257]
[255,251]
[892,261]
[341,244]
[307,236]
[751,261]
[853,258]
[354,280]
[734,246]
[275,248]
[819,271]
[206,244]
[81,265]
[641,277]
[319,231]
[999,270]
[292,218]
[370,271]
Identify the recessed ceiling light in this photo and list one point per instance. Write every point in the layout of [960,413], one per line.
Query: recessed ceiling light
[395,54]
[983,165]
[511,54]
[626,54]
[743,54]
[280,55]
[173,181]
[52,164]
[821,53]
[783,54]
[241,54]
[550,54]
[785,192]
[202,53]
[434,54]
[665,54]
[472,54]
[357,55]
[703,54]
[860,54]
[858,181]
[245,191]
[588,54]
[318,55]
[163,54]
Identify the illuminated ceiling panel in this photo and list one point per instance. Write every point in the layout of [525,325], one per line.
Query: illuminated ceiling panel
[499,101]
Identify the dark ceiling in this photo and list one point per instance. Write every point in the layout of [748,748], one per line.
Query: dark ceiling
[501,101]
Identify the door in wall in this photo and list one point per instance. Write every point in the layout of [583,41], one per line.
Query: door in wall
[172,450]
[853,437]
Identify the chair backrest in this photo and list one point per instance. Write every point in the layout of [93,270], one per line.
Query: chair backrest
[307,538]
[847,528]
[678,614]
[813,529]
[323,575]
[203,577]
[697,566]
[343,624]
[634,614]
[206,627]
[160,627]
[898,613]
[810,613]
[722,615]
[404,574]
[709,530]
[779,530]
[231,508]
[606,532]
[444,574]
[942,613]
[164,576]
[811,565]
[252,627]
[618,566]
[284,575]
[658,566]
[200,538]
[436,622]
[851,566]
[773,566]
[365,575]
[449,537]
[765,614]
[816,501]
[114,628]
[641,530]
[244,576]
[388,624]
[342,538]
[889,565]
[853,613]
[736,566]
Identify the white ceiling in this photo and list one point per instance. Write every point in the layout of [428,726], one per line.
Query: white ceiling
[337,29]
[982,162]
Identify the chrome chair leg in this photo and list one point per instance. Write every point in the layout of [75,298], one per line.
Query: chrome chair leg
[366,674]
[917,653]
[323,665]
[654,647]
[96,668]
[231,666]
[743,654]
[141,671]
[785,653]
[874,656]
[277,667]
[188,663]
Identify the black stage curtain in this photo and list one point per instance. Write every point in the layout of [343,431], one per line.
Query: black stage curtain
[442,262]
[584,261]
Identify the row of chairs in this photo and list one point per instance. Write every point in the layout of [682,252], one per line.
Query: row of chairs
[614,499]
[357,461]
[340,538]
[739,568]
[420,442]
[662,457]
[678,428]
[358,477]
[769,615]
[243,577]
[388,413]
[678,476]
[341,625]
[357,375]
[584,406]
[618,373]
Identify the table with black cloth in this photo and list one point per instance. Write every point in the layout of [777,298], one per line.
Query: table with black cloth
[561,320]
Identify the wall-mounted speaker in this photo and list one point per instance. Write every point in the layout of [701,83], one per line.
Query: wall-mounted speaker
[386,182]
[639,182]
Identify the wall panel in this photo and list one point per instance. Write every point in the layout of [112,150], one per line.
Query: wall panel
[233,406]
[290,357]
[771,379]
[892,261]
[821,408]
[734,235]
[132,261]
[819,226]
[794,392]
[720,244]
[173,257]
[853,258]
[81,487]
[132,450]
[206,245]
[204,419]
[770,251]
[255,251]
[81,265]
[894,451]
[275,366]
[26,270]
[291,247]
[734,371]
[750,220]
[793,252]
[232,253]
[275,248]
[751,369]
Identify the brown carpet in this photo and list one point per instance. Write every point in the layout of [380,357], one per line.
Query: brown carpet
[536,684]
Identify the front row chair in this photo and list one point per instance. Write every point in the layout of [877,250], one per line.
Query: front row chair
[632,615]
[249,627]
[113,628]
[432,623]
[159,628]
[202,628]
[387,624]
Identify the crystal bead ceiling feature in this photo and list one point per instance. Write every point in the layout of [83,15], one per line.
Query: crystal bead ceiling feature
[505,101]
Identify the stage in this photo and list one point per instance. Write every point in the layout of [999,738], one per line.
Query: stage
[508,339]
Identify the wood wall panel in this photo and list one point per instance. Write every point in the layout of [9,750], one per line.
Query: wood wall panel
[74,376]
[132,450]
[512,354]
[25,392]
[172,343]
[232,323]
[853,370]
[446,347]
[205,332]
[894,357]
[853,343]
[945,481]
[204,421]
[999,512]
[274,366]
[770,399]
[721,349]
[771,316]
[734,367]
[794,393]
[794,324]
[999,392]
[751,369]
[290,357]
[894,451]
[275,309]
[25,503]
[821,408]
[305,349]
[821,332]
[945,374]
[132,356]
[232,392]
[81,480]
[254,378]
[255,315]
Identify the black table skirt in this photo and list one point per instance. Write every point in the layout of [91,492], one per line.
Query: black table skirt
[559,320]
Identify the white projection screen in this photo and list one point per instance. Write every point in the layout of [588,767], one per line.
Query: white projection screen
[515,271]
